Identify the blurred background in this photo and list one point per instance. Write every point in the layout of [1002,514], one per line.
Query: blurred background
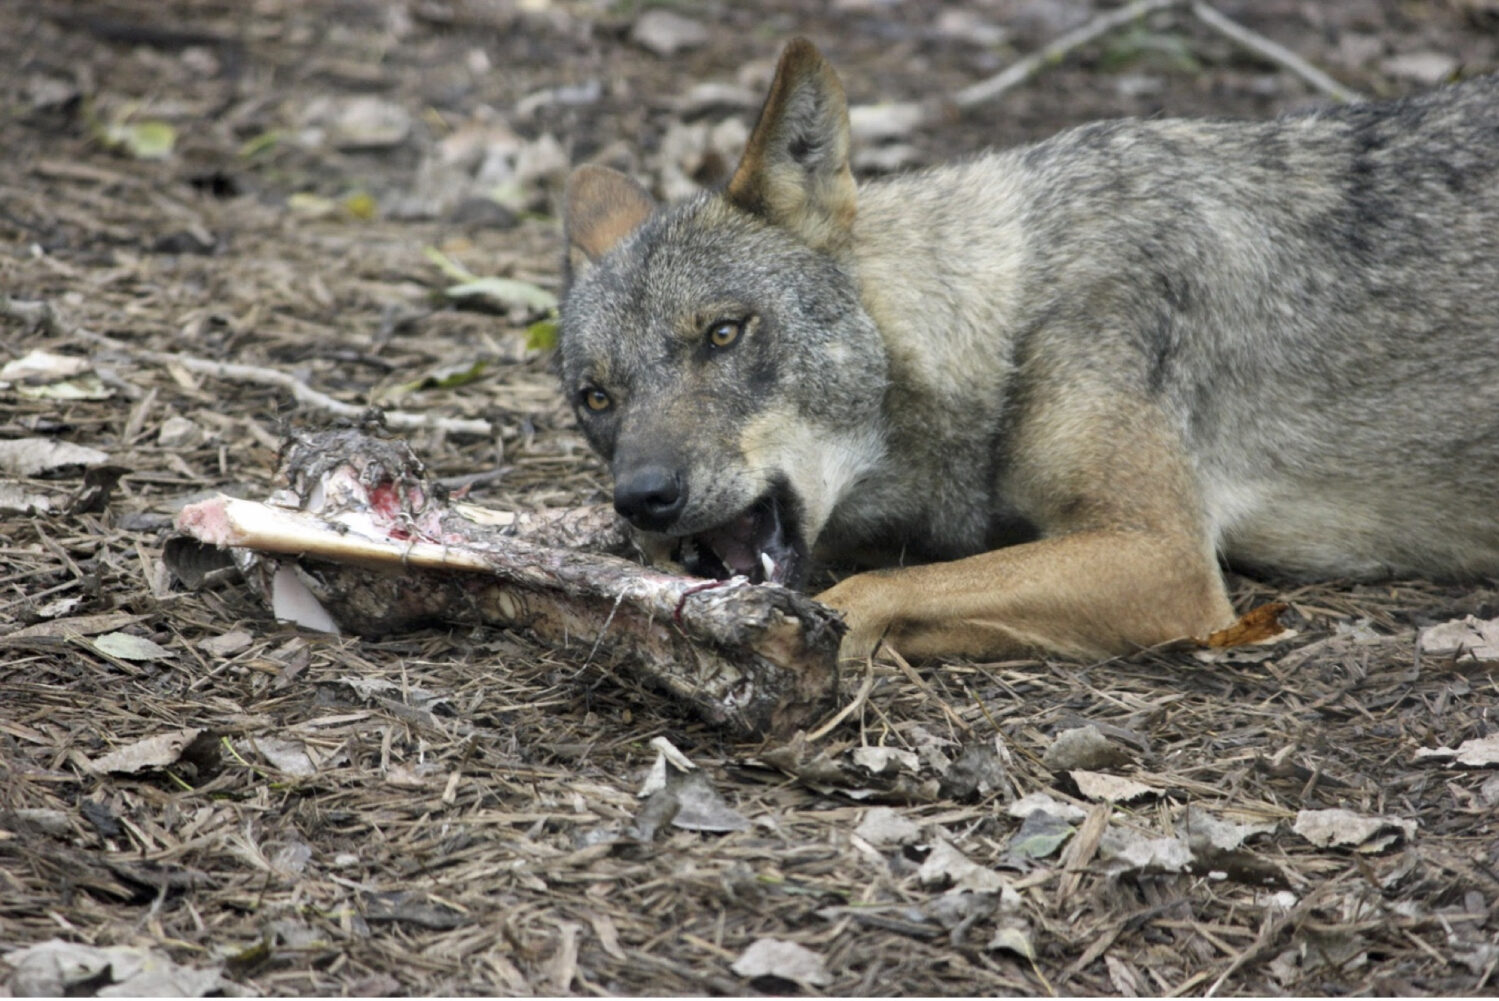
[471,111]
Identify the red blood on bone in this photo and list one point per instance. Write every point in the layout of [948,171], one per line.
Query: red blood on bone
[385,499]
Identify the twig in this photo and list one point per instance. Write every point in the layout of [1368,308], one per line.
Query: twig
[1077,855]
[1270,929]
[1273,51]
[926,690]
[38,315]
[395,419]
[858,700]
[1021,71]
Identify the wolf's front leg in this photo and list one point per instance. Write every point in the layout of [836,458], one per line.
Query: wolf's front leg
[1088,594]
[1126,560]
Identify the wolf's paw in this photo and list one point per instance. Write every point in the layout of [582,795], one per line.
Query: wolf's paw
[864,604]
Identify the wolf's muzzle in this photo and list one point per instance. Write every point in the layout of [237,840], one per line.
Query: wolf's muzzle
[650,497]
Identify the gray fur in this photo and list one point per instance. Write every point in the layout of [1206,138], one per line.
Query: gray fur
[1312,303]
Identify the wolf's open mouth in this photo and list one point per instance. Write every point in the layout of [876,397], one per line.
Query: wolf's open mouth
[763,544]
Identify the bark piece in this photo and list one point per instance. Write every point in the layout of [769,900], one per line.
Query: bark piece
[359,525]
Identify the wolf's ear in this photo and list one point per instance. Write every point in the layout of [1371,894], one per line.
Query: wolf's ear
[599,209]
[795,170]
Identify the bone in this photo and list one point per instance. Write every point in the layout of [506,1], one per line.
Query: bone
[361,526]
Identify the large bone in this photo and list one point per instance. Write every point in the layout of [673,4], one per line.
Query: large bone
[359,525]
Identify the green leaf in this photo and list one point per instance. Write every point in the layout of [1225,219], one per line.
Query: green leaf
[510,291]
[455,375]
[448,266]
[1040,835]
[1156,50]
[84,387]
[144,140]
[360,204]
[447,377]
[355,205]
[256,145]
[542,335]
[305,203]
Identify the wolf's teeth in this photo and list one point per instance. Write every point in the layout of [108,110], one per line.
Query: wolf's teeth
[769,566]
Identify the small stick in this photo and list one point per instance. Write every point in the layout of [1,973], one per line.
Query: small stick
[853,706]
[34,315]
[395,419]
[1022,70]
[1274,52]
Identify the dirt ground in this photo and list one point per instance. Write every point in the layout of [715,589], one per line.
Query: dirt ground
[294,185]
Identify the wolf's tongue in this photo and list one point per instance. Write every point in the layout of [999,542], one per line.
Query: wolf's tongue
[735,544]
[753,545]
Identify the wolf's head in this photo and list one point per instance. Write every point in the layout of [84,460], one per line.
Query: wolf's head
[716,352]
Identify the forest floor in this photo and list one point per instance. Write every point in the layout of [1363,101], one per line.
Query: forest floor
[294,186]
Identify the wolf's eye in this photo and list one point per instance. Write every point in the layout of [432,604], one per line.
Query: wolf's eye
[596,399]
[723,333]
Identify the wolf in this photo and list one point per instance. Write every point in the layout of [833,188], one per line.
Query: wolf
[1039,395]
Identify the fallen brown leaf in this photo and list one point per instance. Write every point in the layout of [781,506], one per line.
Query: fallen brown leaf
[1258,625]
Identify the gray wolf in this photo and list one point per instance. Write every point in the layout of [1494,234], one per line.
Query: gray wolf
[1049,388]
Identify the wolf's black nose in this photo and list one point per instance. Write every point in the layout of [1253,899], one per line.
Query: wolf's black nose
[650,496]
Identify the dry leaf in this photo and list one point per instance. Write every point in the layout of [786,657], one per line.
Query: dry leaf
[57,823]
[1040,834]
[1467,637]
[412,907]
[1205,831]
[666,754]
[1346,829]
[606,932]
[20,498]
[981,769]
[1123,977]
[506,292]
[43,366]
[948,868]
[701,808]
[1258,625]
[151,752]
[773,957]
[1083,747]
[226,644]
[42,375]
[127,646]
[1014,934]
[564,963]
[289,756]
[676,791]
[1112,788]
[1032,802]
[378,689]
[883,827]
[885,760]
[840,774]
[1477,752]
[79,625]
[38,456]
[1130,851]
[57,969]
[404,776]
